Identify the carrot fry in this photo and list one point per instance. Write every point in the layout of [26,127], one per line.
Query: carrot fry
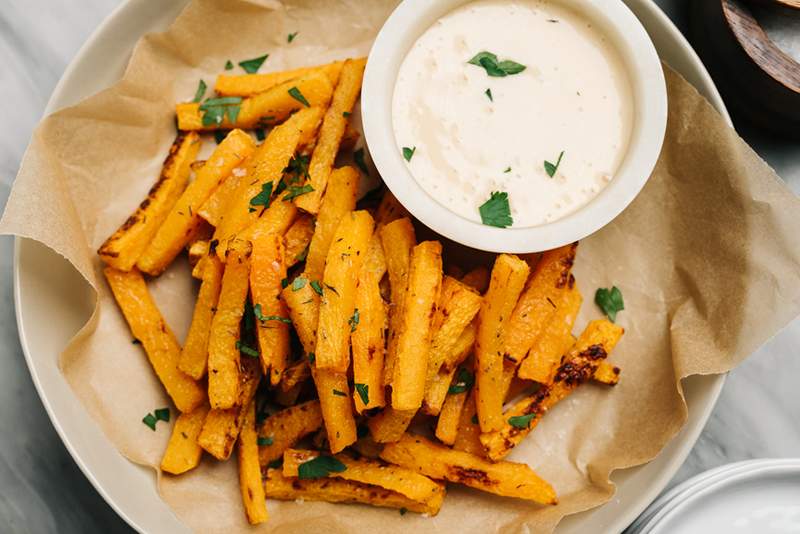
[297,239]
[337,317]
[556,338]
[253,498]
[194,356]
[124,247]
[177,229]
[259,184]
[148,326]
[271,107]
[330,134]
[367,339]
[398,240]
[252,84]
[183,453]
[580,363]
[223,342]
[508,279]
[267,270]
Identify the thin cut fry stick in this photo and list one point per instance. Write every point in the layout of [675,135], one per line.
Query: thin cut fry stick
[183,453]
[253,498]
[337,318]
[468,436]
[330,133]
[194,356]
[556,338]
[223,350]
[124,247]
[508,479]
[398,240]
[390,424]
[252,84]
[267,271]
[265,171]
[271,107]
[283,429]
[413,344]
[367,339]
[508,279]
[606,373]
[183,220]
[447,424]
[435,394]
[297,239]
[580,363]
[148,326]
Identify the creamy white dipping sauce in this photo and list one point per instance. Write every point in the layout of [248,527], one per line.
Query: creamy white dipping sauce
[573,96]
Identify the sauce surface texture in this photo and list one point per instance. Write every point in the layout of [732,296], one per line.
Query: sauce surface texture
[473,133]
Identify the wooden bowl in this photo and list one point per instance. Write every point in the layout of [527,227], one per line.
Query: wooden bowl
[759,81]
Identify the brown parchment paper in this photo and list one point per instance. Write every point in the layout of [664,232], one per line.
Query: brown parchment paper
[706,257]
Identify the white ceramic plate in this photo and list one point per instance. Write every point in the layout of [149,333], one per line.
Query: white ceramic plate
[756,496]
[44,280]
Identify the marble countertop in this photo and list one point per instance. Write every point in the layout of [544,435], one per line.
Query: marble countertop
[42,489]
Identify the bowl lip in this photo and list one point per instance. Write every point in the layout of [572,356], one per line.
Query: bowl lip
[407,22]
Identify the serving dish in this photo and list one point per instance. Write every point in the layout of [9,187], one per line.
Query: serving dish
[640,60]
[43,280]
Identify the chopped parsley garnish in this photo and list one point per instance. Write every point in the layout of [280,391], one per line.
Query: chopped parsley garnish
[346,114]
[136,342]
[247,351]
[610,301]
[320,467]
[550,168]
[260,135]
[298,167]
[219,136]
[150,420]
[488,94]
[215,109]
[403,510]
[508,169]
[201,91]
[162,414]
[339,393]
[353,321]
[358,157]
[312,358]
[265,441]
[299,283]
[295,93]
[284,283]
[332,289]
[496,211]
[295,191]
[463,382]
[521,421]
[474,419]
[363,392]
[228,65]
[291,36]
[263,198]
[303,254]
[408,153]
[264,318]
[251,66]
[317,287]
[495,68]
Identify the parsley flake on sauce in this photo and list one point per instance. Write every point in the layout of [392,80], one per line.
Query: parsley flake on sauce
[551,168]
[494,68]
[291,36]
[408,153]
[496,211]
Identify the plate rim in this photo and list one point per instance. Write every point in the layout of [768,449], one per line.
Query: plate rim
[622,520]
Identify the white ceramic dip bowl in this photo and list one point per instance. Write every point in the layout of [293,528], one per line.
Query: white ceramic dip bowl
[641,62]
